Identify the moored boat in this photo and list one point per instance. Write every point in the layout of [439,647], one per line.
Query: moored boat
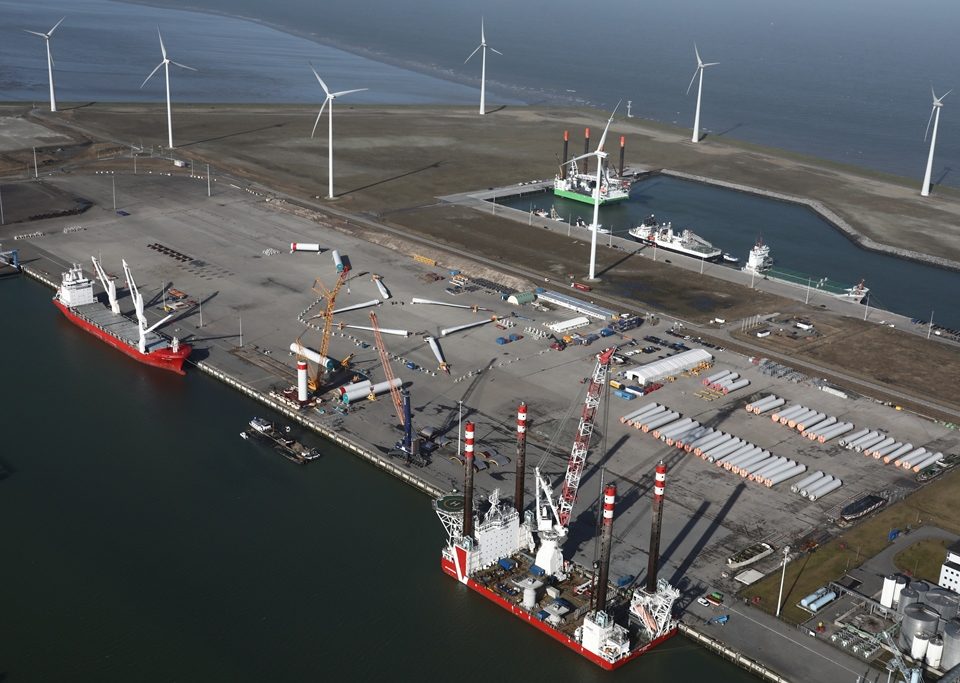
[686,242]
[137,339]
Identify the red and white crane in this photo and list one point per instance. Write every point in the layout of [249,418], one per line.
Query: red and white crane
[553,520]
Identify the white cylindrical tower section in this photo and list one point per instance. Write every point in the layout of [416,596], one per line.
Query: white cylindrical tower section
[302,381]
[886,593]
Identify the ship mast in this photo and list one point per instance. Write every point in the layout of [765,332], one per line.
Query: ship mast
[109,286]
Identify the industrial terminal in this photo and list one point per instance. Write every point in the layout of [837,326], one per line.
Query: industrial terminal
[620,447]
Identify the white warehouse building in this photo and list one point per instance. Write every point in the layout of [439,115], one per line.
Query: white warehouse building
[667,367]
[950,570]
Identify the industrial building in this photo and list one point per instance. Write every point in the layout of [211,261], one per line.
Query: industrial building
[668,367]
[950,570]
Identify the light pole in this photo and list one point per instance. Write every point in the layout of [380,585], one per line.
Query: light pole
[783,576]
[459,424]
[241,328]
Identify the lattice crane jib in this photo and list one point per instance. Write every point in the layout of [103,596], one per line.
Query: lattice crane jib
[331,297]
[581,442]
[387,370]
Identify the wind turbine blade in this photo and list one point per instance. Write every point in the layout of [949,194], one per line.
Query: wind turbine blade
[695,72]
[497,51]
[945,94]
[162,48]
[182,66]
[42,35]
[579,158]
[932,110]
[319,114]
[347,92]
[50,32]
[697,53]
[326,90]
[473,53]
[603,137]
[483,39]
[710,64]
[151,74]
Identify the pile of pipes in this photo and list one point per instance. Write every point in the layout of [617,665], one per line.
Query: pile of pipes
[876,444]
[750,462]
[816,486]
[725,382]
[733,454]
[811,423]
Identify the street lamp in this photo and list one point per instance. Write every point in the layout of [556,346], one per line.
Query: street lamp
[459,423]
[783,576]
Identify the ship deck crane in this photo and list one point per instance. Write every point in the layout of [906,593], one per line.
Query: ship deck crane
[387,371]
[553,519]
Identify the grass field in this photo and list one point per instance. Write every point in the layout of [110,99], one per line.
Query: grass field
[934,504]
[923,559]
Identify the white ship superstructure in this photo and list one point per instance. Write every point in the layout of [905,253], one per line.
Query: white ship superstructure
[684,242]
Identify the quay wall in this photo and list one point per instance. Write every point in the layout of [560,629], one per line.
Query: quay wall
[375,459]
[732,655]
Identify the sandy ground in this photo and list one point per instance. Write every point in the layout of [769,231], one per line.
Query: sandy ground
[390,160]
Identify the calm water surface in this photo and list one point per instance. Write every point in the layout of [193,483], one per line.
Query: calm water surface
[799,240]
[145,541]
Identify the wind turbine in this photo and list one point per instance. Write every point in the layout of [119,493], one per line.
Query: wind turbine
[935,117]
[166,72]
[331,96]
[46,38]
[483,68]
[700,67]
[601,157]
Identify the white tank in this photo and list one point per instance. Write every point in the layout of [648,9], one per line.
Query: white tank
[529,598]
[889,587]
[919,647]
[934,654]
[901,584]
[951,646]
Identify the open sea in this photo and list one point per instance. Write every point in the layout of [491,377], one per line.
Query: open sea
[847,81]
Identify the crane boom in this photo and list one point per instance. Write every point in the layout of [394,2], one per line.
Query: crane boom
[387,371]
[581,443]
[331,296]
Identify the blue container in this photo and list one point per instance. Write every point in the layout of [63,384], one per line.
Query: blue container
[542,614]
[537,571]
[632,389]
[606,332]
[625,395]
[514,337]
[539,290]
[507,563]
[501,341]
[454,273]
[625,581]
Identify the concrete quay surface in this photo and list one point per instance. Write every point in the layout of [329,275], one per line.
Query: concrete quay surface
[239,267]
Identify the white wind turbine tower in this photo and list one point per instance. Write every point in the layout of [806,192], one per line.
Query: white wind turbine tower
[700,67]
[483,68]
[46,38]
[935,117]
[166,72]
[601,157]
[331,96]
